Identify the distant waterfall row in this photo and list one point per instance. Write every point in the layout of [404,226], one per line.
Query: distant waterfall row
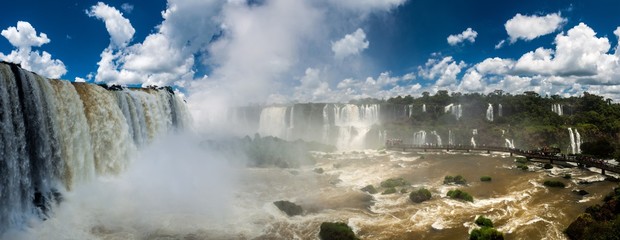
[343,125]
[55,134]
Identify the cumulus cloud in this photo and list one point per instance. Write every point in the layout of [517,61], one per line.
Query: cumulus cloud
[24,37]
[118,27]
[530,27]
[467,35]
[312,87]
[350,44]
[443,71]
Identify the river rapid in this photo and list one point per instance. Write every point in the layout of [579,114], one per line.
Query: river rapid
[169,200]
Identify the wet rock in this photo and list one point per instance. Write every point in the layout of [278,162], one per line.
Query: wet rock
[394,182]
[458,179]
[547,166]
[581,192]
[319,170]
[291,209]
[577,229]
[369,189]
[420,195]
[389,191]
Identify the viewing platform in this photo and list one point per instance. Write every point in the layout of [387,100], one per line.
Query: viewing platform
[581,161]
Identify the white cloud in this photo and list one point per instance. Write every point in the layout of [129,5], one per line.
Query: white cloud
[467,35]
[312,87]
[495,66]
[500,44]
[350,44]
[24,37]
[127,8]
[119,27]
[444,71]
[578,53]
[79,79]
[471,82]
[530,27]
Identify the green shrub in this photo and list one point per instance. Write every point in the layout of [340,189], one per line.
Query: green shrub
[522,167]
[389,191]
[551,183]
[484,222]
[420,195]
[336,231]
[521,160]
[485,179]
[486,233]
[458,179]
[369,189]
[458,194]
[394,182]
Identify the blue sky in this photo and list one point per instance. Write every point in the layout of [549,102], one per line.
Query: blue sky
[322,50]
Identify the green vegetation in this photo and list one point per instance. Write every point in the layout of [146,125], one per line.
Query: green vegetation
[481,221]
[390,190]
[461,195]
[601,221]
[336,231]
[458,179]
[420,195]
[486,233]
[600,149]
[370,189]
[394,182]
[555,184]
[485,179]
[486,230]
[522,167]
[521,160]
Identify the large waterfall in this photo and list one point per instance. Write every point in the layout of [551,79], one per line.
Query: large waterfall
[419,138]
[455,110]
[56,134]
[343,125]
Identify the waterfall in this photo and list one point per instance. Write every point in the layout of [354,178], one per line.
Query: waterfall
[419,138]
[474,132]
[410,110]
[424,107]
[499,110]
[273,122]
[291,124]
[353,123]
[577,141]
[438,138]
[490,112]
[510,143]
[455,110]
[450,138]
[557,108]
[572,141]
[326,125]
[55,135]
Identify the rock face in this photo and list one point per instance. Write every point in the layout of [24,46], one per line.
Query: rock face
[601,221]
[369,189]
[291,209]
[336,231]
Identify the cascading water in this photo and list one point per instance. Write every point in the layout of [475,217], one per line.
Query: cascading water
[557,108]
[326,124]
[419,138]
[423,107]
[454,110]
[450,138]
[500,110]
[575,141]
[273,122]
[510,143]
[291,124]
[56,135]
[489,114]
[473,140]
[353,123]
[437,137]
[410,110]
